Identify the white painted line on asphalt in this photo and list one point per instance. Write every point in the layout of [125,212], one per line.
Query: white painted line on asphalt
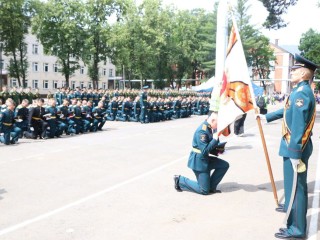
[86,199]
[23,158]
[313,226]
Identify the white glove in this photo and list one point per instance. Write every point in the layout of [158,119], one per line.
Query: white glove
[31,129]
[261,116]
[295,163]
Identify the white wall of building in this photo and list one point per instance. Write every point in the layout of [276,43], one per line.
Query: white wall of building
[43,74]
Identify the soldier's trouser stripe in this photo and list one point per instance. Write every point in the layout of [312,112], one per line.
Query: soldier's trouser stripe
[313,229]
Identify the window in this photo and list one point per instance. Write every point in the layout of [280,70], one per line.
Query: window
[104,72]
[45,84]
[55,84]
[26,84]
[55,67]
[46,67]
[13,83]
[89,84]
[82,70]
[63,84]
[73,84]
[72,55]
[104,85]
[35,84]
[35,49]
[81,85]
[110,72]
[35,67]
[2,66]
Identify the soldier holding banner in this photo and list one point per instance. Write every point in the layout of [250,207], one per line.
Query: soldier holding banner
[204,143]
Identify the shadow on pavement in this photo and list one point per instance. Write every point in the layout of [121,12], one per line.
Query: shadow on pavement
[234,186]
[2,191]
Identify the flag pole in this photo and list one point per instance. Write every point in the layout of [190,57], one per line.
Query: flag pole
[267,159]
[274,189]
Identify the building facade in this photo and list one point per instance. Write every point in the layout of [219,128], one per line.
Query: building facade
[281,72]
[43,71]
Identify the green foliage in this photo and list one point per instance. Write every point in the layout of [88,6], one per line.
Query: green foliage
[161,43]
[98,32]
[14,24]
[276,9]
[59,25]
[310,47]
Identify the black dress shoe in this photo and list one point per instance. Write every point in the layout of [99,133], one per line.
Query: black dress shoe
[176,183]
[215,191]
[280,208]
[281,230]
[286,235]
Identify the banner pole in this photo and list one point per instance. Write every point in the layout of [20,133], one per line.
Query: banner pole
[275,195]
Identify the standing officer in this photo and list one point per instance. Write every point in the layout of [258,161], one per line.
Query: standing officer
[15,96]
[239,125]
[296,146]
[135,116]
[204,142]
[77,93]
[143,104]
[4,95]
[7,127]
[29,95]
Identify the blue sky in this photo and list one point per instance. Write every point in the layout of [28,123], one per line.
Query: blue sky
[301,17]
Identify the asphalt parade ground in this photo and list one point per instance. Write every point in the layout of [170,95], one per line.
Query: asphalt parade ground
[117,184]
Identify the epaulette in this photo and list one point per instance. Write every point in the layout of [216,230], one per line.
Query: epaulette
[204,127]
[300,89]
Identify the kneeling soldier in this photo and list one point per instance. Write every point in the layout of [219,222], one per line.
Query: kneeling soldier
[204,142]
[7,128]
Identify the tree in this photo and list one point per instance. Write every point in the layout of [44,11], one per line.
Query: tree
[276,9]
[128,43]
[310,47]
[256,46]
[59,25]
[14,24]
[98,31]
[206,36]
[186,34]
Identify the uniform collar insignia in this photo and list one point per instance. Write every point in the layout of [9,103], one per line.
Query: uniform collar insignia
[204,127]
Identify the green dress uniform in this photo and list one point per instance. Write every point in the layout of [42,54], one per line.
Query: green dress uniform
[202,164]
[29,96]
[15,97]
[298,119]
[4,95]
